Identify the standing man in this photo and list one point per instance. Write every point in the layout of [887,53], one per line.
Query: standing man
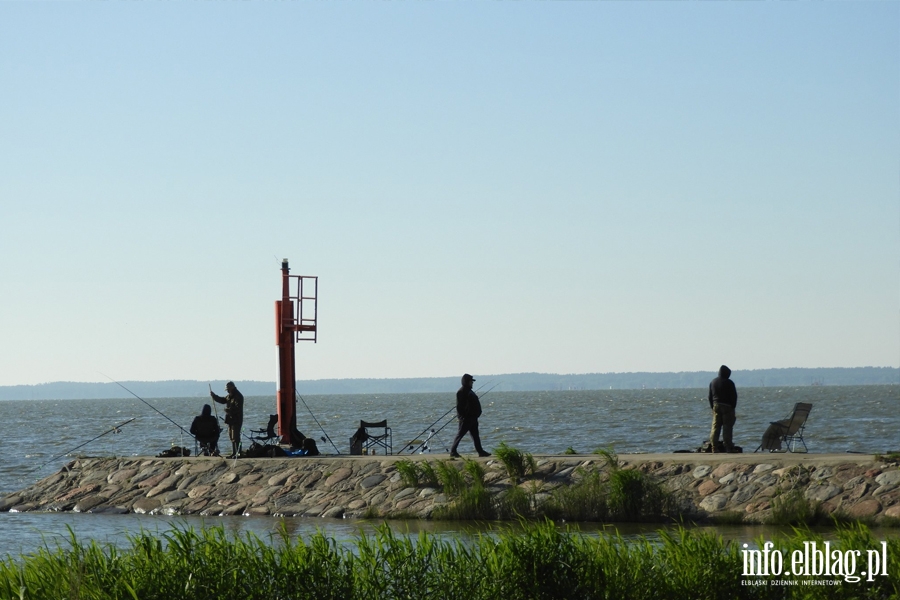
[234,415]
[468,409]
[722,400]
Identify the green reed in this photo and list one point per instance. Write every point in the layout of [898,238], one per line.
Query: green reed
[414,474]
[451,478]
[475,471]
[470,504]
[427,475]
[793,508]
[472,501]
[618,495]
[634,496]
[409,474]
[630,494]
[518,464]
[586,500]
[540,561]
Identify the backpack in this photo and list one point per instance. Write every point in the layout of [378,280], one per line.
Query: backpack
[174,451]
[309,446]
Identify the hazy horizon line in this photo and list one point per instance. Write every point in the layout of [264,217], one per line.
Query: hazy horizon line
[362,378]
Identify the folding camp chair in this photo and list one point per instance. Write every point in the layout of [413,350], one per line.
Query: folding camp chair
[383,438]
[264,435]
[788,430]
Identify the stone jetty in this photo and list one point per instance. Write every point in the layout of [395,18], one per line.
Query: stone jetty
[707,486]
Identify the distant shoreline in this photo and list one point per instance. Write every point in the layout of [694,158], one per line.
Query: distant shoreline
[789,377]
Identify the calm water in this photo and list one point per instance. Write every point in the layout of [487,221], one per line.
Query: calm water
[35,433]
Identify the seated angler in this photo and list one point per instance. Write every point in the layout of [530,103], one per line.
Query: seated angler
[206,429]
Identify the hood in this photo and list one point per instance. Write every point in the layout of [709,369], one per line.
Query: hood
[724,372]
[207,411]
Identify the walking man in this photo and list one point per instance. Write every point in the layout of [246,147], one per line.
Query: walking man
[722,400]
[234,414]
[468,409]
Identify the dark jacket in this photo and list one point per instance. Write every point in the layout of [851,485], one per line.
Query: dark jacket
[722,390]
[205,427]
[467,404]
[234,407]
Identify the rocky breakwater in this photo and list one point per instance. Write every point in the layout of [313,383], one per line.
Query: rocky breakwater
[749,488]
[704,487]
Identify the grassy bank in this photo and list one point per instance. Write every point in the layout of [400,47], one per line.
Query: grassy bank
[613,495]
[608,493]
[540,562]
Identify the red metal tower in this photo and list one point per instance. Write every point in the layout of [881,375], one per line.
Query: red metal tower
[295,321]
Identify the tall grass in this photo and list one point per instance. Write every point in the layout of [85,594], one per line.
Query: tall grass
[634,496]
[409,474]
[427,475]
[616,495]
[451,478]
[471,504]
[518,464]
[414,474]
[585,500]
[539,562]
[609,456]
[793,508]
[475,472]
[472,501]
[631,495]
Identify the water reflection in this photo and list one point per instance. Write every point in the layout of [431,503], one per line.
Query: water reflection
[25,533]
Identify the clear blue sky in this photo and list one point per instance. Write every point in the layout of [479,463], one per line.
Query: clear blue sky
[563,187]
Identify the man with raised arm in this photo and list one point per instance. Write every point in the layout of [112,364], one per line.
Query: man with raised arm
[234,415]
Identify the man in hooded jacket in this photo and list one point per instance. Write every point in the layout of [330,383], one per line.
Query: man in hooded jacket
[468,409]
[722,400]
[234,415]
[206,429]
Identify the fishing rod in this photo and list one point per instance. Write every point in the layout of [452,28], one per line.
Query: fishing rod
[217,416]
[439,419]
[426,443]
[183,430]
[434,433]
[214,403]
[317,421]
[114,429]
[413,441]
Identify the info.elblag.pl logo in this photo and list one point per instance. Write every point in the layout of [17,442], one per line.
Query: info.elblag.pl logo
[813,562]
